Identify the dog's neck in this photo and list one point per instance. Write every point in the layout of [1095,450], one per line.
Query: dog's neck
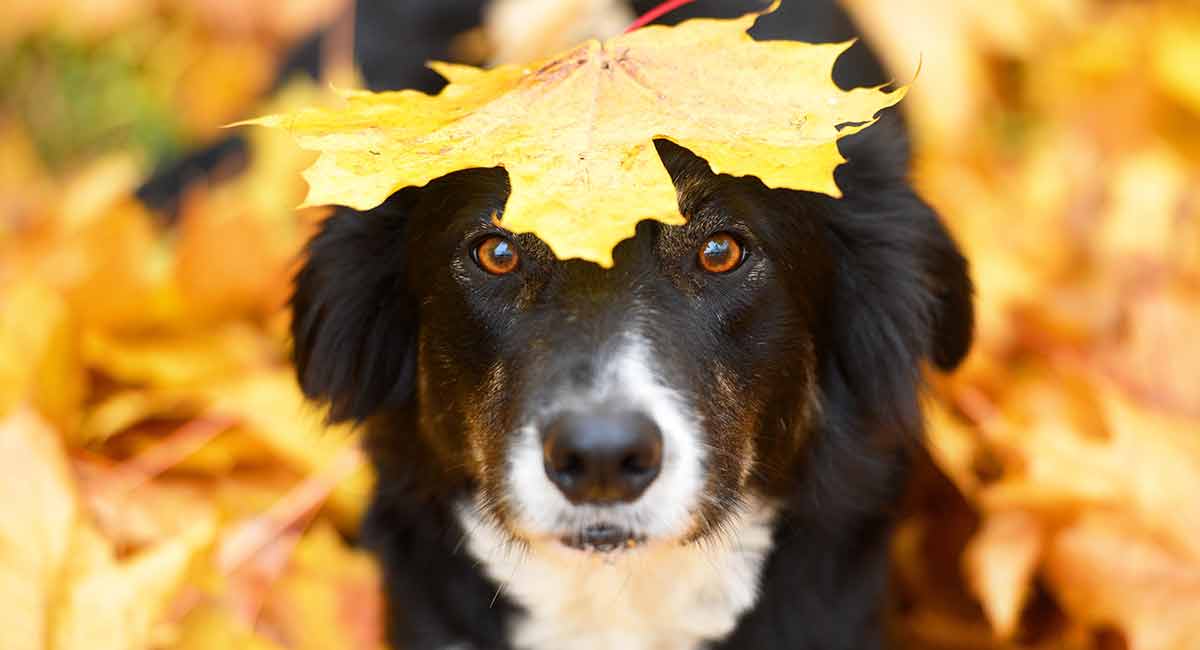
[657,597]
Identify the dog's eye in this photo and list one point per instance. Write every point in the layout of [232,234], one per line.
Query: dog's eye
[496,255]
[721,253]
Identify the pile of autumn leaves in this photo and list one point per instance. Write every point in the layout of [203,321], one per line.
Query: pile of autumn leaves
[1065,513]
[162,481]
[162,484]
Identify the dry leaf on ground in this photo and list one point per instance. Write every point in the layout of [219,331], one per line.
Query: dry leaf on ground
[63,583]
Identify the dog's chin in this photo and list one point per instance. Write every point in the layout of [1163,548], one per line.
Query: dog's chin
[602,538]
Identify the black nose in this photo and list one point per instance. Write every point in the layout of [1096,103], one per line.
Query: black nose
[602,457]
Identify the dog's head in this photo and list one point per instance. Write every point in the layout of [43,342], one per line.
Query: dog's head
[646,402]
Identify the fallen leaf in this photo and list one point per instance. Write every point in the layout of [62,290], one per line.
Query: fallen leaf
[298,505]
[211,627]
[171,450]
[38,516]
[1106,571]
[272,409]
[40,359]
[953,446]
[112,603]
[576,133]
[137,519]
[112,266]
[1143,463]
[330,596]
[1155,352]
[58,574]
[124,409]
[178,359]
[999,563]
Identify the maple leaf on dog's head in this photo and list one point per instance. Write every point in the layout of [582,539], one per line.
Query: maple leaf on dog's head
[576,133]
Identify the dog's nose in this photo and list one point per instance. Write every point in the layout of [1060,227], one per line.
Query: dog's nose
[602,457]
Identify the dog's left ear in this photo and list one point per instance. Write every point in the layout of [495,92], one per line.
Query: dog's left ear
[902,295]
[354,324]
[953,311]
[904,262]
[900,263]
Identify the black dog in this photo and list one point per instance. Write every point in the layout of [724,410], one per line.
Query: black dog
[699,447]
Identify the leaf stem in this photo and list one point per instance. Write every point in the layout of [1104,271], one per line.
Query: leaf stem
[660,10]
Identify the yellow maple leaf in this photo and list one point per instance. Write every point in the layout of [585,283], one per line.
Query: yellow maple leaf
[38,516]
[65,585]
[575,133]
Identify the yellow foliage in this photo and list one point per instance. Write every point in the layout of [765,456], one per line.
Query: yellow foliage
[39,514]
[575,133]
[163,484]
[60,575]
[40,353]
[159,358]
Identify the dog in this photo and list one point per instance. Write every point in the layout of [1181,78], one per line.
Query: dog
[701,447]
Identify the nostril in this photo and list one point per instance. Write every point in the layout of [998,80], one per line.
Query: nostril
[637,465]
[571,468]
[572,464]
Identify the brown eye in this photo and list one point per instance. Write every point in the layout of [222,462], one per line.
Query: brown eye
[720,254]
[496,255]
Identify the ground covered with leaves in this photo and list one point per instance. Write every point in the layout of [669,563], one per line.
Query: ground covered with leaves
[163,484]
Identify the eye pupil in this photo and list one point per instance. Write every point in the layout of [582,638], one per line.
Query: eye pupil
[496,255]
[720,254]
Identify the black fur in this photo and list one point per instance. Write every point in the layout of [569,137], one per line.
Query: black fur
[354,340]
[891,291]
[391,334]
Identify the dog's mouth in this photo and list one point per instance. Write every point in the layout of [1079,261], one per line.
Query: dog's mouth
[603,538]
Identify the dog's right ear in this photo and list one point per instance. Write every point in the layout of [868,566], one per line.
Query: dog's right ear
[354,324]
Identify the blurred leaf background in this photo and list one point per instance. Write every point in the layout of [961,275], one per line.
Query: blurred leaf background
[163,484]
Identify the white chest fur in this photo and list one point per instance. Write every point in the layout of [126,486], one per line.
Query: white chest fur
[651,598]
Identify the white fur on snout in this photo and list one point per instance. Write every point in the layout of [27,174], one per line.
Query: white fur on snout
[663,596]
[664,510]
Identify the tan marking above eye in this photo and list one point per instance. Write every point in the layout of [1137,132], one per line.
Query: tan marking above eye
[720,253]
[497,255]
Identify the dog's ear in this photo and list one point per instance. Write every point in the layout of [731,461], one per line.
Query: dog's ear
[354,324]
[902,295]
[953,325]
